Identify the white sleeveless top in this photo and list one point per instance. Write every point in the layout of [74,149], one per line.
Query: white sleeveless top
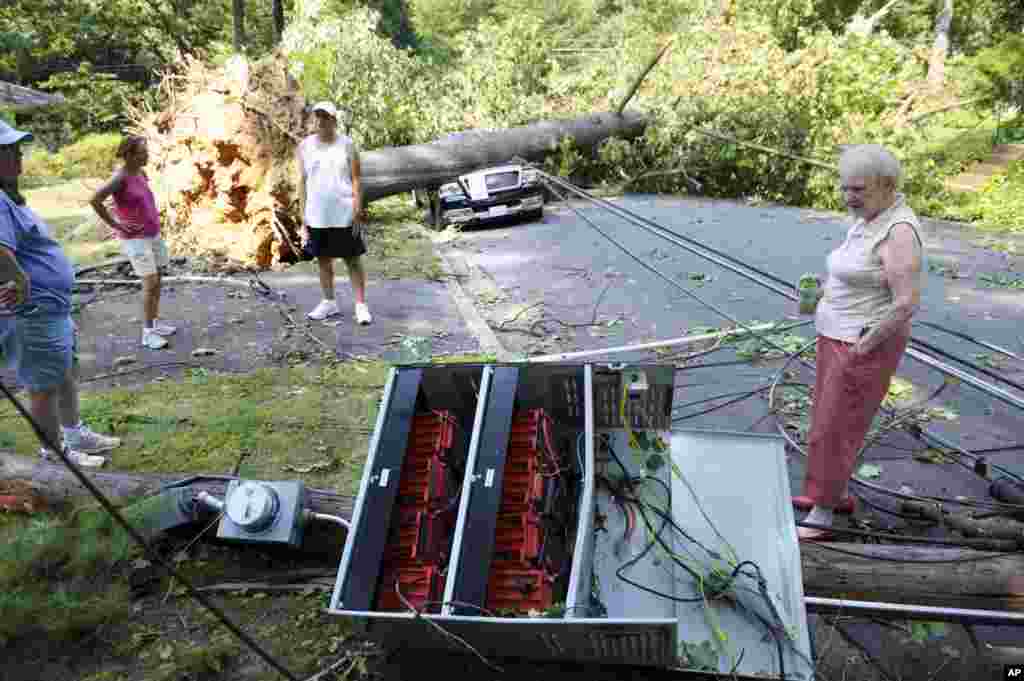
[855,292]
[328,172]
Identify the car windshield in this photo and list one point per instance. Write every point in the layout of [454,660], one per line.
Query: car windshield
[502,180]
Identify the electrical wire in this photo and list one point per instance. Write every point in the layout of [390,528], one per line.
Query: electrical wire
[714,308]
[855,480]
[444,632]
[784,288]
[667,520]
[151,553]
[746,270]
[912,539]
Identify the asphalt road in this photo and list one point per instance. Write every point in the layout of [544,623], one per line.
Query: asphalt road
[548,275]
[564,263]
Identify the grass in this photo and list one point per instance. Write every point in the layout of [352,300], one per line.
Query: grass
[61,575]
[270,419]
[49,566]
[64,207]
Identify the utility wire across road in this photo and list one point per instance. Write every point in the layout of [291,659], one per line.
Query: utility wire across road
[787,290]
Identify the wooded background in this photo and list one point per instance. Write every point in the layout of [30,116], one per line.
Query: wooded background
[939,81]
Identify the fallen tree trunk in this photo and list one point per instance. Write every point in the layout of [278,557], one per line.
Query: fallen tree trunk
[394,170]
[944,577]
[55,484]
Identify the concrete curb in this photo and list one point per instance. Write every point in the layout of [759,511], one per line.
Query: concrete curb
[489,342]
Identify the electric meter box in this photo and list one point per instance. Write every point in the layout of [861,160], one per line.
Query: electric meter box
[463,538]
[263,512]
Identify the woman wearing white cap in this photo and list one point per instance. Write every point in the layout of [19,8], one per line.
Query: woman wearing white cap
[329,193]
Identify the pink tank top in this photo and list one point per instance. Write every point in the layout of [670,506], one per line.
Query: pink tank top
[135,204]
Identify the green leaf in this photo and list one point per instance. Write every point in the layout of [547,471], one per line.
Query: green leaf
[932,455]
[870,471]
[701,657]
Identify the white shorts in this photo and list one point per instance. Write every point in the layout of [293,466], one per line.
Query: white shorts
[147,255]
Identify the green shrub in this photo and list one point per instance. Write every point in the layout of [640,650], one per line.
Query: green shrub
[93,156]
[93,102]
[1000,204]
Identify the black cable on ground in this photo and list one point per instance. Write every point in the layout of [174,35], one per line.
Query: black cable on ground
[787,291]
[1003,378]
[669,279]
[151,553]
[743,269]
[863,483]
[746,270]
[970,339]
[904,538]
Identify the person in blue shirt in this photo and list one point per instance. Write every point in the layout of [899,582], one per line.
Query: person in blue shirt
[37,335]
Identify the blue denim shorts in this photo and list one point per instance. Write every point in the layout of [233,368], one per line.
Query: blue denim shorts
[40,347]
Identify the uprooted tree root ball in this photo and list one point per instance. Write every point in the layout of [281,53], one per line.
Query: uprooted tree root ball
[223,151]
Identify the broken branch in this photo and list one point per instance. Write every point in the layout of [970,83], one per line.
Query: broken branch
[767,150]
[640,78]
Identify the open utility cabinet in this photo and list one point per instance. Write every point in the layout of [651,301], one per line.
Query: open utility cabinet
[528,509]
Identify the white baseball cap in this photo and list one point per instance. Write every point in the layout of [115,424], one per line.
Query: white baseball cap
[327,108]
[9,135]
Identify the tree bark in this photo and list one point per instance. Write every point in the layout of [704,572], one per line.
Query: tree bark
[277,13]
[937,62]
[876,573]
[238,15]
[395,170]
[57,486]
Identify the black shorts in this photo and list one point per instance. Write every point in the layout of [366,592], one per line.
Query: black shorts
[334,242]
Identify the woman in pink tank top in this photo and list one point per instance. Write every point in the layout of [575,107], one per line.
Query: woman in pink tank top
[137,225]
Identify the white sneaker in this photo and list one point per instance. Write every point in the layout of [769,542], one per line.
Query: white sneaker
[161,329]
[326,308]
[93,443]
[152,340]
[78,458]
[363,316]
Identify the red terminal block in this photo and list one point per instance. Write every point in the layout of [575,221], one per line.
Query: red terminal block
[422,519]
[418,536]
[519,590]
[420,585]
[517,538]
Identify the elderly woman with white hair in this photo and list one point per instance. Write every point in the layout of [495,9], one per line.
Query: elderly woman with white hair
[871,293]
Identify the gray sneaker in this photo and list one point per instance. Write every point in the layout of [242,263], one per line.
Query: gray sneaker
[93,443]
[80,459]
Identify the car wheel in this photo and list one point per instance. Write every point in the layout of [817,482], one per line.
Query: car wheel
[535,215]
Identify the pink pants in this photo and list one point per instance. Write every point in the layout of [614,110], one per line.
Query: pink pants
[848,391]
